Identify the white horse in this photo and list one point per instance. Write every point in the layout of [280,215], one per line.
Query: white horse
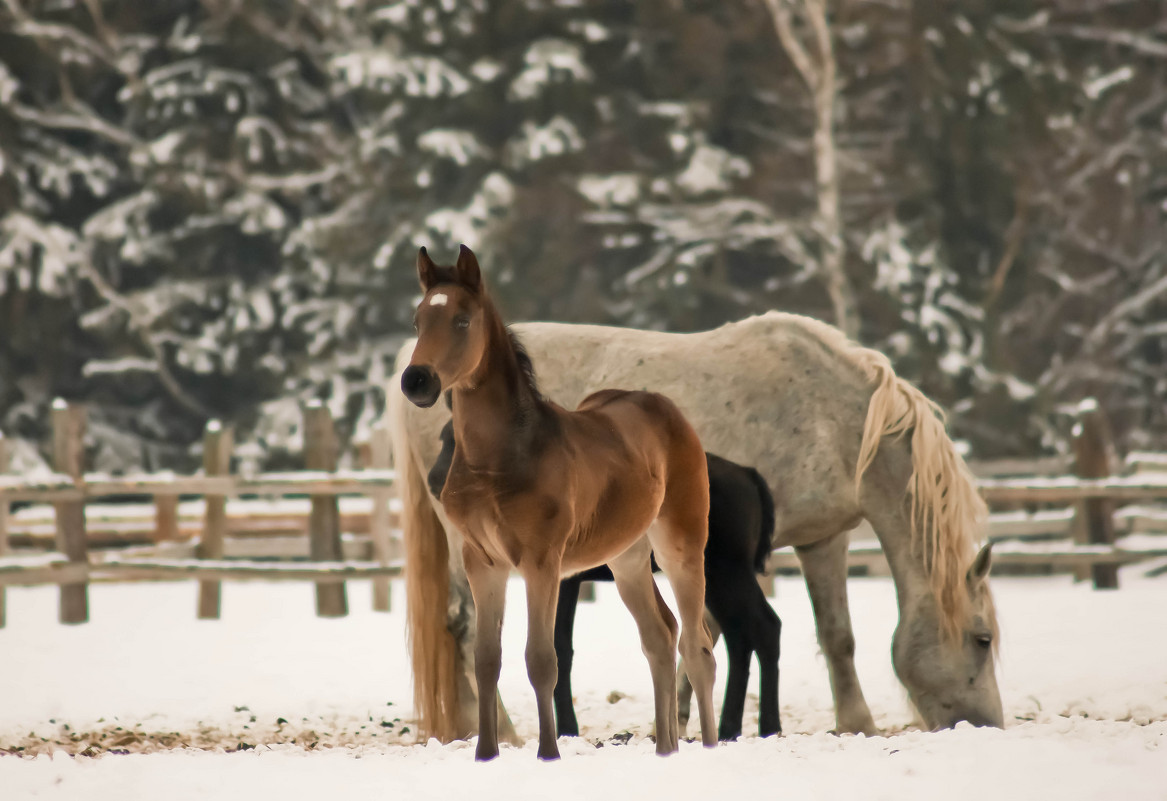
[838,437]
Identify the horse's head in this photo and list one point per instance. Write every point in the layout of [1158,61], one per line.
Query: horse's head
[949,670]
[451,329]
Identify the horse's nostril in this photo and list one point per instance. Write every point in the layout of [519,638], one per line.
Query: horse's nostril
[413,379]
[420,385]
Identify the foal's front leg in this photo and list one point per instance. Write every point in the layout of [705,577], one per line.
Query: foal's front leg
[488,584]
[542,596]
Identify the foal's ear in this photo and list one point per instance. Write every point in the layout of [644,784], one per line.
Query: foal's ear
[980,566]
[467,268]
[427,271]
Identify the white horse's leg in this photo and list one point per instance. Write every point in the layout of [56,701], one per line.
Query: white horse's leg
[824,565]
[684,686]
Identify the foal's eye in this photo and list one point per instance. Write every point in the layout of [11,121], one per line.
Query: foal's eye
[462,322]
[984,640]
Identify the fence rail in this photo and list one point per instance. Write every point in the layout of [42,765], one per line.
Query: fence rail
[1072,490]
[55,487]
[61,571]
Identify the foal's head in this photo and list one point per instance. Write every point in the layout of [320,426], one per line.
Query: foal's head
[452,324]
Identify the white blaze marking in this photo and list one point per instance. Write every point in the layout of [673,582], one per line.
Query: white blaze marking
[438,300]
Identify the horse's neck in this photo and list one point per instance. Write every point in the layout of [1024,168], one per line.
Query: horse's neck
[490,414]
[908,570]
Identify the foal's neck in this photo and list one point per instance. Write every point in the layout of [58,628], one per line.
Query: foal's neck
[493,414]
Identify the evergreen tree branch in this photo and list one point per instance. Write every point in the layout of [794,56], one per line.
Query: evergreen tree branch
[140,322]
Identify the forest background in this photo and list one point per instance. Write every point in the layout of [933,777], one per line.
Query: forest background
[211,208]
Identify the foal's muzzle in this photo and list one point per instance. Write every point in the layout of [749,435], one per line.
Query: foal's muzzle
[421,385]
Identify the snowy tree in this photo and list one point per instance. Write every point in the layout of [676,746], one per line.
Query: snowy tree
[213,209]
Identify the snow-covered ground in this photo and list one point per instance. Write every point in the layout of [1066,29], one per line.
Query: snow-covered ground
[273,702]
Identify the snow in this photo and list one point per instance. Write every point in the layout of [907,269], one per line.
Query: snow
[1098,86]
[416,76]
[277,703]
[459,146]
[710,169]
[591,30]
[27,244]
[9,86]
[467,225]
[536,142]
[548,62]
[617,189]
[1147,460]
[128,364]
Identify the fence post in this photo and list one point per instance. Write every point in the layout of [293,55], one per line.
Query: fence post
[380,458]
[1094,457]
[218,443]
[320,453]
[3,527]
[69,458]
[165,518]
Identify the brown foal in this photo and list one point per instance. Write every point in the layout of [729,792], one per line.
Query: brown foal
[550,492]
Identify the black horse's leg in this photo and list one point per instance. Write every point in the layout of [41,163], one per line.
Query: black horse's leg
[765,636]
[738,676]
[565,722]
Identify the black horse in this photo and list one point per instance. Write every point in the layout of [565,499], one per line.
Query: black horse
[741,523]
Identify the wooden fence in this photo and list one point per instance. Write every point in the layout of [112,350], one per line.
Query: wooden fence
[1043,519]
[1077,513]
[73,566]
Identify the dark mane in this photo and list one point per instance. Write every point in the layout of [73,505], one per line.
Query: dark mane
[526,366]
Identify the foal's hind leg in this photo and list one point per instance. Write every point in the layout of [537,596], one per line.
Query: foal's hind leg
[680,554]
[658,636]
[824,565]
[684,686]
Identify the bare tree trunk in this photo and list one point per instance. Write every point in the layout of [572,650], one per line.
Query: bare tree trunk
[816,65]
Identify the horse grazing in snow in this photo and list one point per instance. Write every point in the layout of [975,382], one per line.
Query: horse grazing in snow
[548,492]
[837,436]
[741,524]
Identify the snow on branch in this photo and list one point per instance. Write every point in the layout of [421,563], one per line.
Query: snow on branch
[32,249]
[415,76]
[1141,44]
[549,62]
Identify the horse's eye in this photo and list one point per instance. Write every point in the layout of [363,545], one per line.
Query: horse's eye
[462,321]
[984,640]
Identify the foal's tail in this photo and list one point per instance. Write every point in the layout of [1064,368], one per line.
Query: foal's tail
[947,512]
[766,532]
[433,651]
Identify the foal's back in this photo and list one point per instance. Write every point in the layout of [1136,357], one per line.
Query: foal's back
[624,458]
